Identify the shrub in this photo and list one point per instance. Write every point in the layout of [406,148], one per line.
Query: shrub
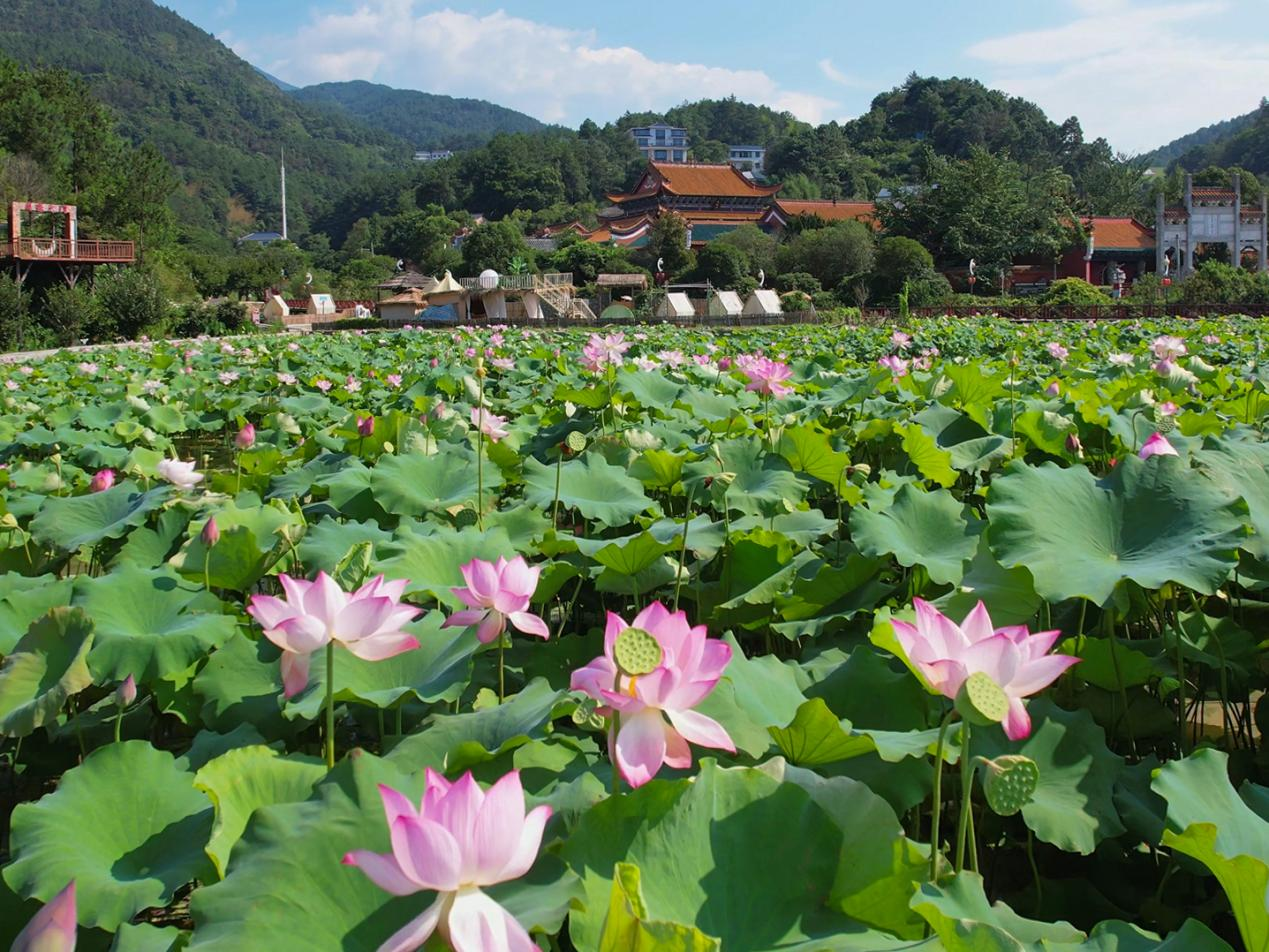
[1074,291]
[130,302]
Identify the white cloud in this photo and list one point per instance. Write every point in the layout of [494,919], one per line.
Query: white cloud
[830,71]
[554,73]
[1136,74]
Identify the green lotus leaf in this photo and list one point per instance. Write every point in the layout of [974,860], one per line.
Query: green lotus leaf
[1150,521]
[336,908]
[591,485]
[253,540]
[1210,822]
[241,781]
[127,825]
[150,623]
[453,742]
[431,557]
[1241,468]
[241,683]
[148,938]
[658,469]
[437,670]
[933,462]
[26,601]
[761,484]
[414,484]
[808,451]
[70,522]
[1009,594]
[919,528]
[629,926]
[1073,805]
[329,541]
[49,665]
[816,737]
[726,854]
[628,555]
[963,919]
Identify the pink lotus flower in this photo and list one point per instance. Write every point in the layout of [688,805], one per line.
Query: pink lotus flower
[1165,367]
[53,928]
[1157,445]
[393,380]
[1057,351]
[1168,409]
[246,437]
[365,426]
[900,339]
[180,473]
[287,379]
[102,480]
[323,385]
[767,377]
[352,384]
[1168,348]
[459,840]
[1017,660]
[126,692]
[1211,339]
[313,614]
[691,664]
[1054,389]
[504,363]
[497,593]
[489,424]
[1121,360]
[897,366]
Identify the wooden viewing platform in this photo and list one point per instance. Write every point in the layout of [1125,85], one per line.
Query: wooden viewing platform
[78,251]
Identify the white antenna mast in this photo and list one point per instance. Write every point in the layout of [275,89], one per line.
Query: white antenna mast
[284,234]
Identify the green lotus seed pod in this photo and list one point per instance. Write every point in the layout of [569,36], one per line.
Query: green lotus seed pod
[1009,783]
[981,701]
[464,518]
[636,652]
[576,441]
[586,716]
[1164,424]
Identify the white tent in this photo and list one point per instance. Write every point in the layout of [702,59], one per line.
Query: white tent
[675,304]
[321,304]
[276,308]
[763,302]
[725,304]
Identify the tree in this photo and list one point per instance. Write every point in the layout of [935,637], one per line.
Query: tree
[14,314]
[984,207]
[899,261]
[422,237]
[842,251]
[667,242]
[1074,291]
[70,314]
[798,281]
[494,245]
[759,248]
[130,301]
[724,266]
[586,260]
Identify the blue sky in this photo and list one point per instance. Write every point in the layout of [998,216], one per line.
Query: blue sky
[1137,72]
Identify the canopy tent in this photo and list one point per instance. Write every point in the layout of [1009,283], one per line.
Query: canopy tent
[447,285]
[321,305]
[276,308]
[763,301]
[725,304]
[675,304]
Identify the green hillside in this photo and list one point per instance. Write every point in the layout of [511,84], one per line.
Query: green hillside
[1246,148]
[426,120]
[1208,135]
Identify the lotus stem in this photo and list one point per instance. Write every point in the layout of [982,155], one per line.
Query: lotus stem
[502,681]
[1224,674]
[330,705]
[936,816]
[687,519]
[207,567]
[967,792]
[555,506]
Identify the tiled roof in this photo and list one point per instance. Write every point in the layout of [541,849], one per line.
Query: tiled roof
[1120,233]
[829,211]
[1205,193]
[694,178]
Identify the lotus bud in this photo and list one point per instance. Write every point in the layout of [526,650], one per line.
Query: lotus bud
[102,480]
[211,532]
[1074,446]
[365,426]
[1053,389]
[53,927]
[246,437]
[126,693]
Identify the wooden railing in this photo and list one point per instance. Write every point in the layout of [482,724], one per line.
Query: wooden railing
[81,249]
[520,282]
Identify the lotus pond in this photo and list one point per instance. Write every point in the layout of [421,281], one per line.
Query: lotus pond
[805,638]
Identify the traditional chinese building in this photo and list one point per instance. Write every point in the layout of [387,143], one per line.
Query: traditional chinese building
[1212,216]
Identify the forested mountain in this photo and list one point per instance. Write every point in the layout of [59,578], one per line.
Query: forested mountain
[1246,148]
[1216,132]
[426,120]
[714,124]
[219,121]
